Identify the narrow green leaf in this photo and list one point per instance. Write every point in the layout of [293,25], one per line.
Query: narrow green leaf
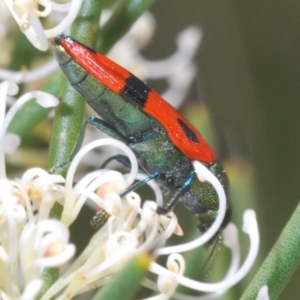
[48,276]
[281,262]
[32,113]
[125,14]
[125,284]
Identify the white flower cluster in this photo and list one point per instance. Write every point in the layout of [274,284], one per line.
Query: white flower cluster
[31,241]
[27,14]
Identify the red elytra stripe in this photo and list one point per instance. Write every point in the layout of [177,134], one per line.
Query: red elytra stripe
[167,115]
[113,76]
[102,68]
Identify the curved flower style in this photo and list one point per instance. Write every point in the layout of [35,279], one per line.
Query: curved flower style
[31,241]
[27,14]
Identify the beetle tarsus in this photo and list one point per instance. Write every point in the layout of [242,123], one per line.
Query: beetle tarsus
[162,210]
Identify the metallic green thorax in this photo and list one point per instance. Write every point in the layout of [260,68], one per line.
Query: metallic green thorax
[149,141]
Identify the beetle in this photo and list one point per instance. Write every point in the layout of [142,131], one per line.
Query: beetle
[164,142]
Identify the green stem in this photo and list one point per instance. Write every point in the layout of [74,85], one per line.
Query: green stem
[69,114]
[125,14]
[49,276]
[281,262]
[125,283]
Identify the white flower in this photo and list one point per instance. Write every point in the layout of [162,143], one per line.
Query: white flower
[31,241]
[27,14]
[132,228]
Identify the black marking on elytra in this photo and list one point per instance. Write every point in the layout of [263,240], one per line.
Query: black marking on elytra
[190,134]
[136,91]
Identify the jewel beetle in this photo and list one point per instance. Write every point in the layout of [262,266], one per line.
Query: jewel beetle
[164,142]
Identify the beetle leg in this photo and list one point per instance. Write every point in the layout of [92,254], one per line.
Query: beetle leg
[173,201]
[140,183]
[105,128]
[122,159]
[98,124]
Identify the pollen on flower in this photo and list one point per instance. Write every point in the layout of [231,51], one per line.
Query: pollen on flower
[113,186]
[36,194]
[24,25]
[2,216]
[143,260]
[54,249]
[3,254]
[174,268]
[82,276]
[167,283]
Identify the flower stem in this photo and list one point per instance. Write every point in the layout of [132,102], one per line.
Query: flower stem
[69,114]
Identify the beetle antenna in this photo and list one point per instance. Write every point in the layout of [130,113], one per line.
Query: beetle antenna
[211,260]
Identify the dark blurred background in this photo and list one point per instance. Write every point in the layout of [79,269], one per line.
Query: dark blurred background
[249,73]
